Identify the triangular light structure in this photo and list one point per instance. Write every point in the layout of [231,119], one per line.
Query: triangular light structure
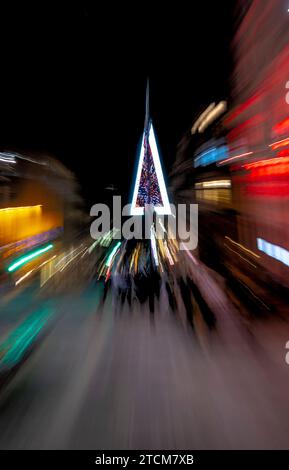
[149,185]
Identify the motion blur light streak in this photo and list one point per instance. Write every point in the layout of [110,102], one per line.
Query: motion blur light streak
[189,254]
[47,270]
[242,155]
[242,247]
[265,163]
[16,209]
[202,117]
[283,153]
[280,143]
[18,342]
[214,114]
[13,156]
[210,156]
[68,258]
[275,251]
[252,100]
[214,184]
[240,256]
[112,254]
[6,159]
[27,258]
[72,258]
[26,243]
[171,261]
[154,246]
[273,167]
[23,277]
[281,126]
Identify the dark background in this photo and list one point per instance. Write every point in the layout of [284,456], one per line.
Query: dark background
[73,80]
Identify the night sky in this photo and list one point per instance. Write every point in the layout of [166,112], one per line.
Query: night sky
[73,80]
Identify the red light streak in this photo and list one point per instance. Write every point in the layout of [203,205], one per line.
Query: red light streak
[279,143]
[269,162]
[268,190]
[234,158]
[243,107]
[281,126]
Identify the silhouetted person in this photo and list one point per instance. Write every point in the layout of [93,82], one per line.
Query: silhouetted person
[171,297]
[186,296]
[205,310]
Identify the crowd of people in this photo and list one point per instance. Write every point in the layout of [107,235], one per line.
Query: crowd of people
[169,288]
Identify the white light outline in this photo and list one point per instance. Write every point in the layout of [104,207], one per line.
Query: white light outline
[138,210]
[160,210]
[154,246]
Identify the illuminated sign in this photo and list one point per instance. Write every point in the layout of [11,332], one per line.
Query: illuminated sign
[212,155]
[274,251]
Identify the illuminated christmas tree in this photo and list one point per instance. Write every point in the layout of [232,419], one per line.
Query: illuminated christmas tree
[149,186]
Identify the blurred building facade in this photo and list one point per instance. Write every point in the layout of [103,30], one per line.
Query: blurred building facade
[237,167]
[39,203]
[257,132]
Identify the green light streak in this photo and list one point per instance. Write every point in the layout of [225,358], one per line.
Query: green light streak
[26,258]
[13,349]
[109,259]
